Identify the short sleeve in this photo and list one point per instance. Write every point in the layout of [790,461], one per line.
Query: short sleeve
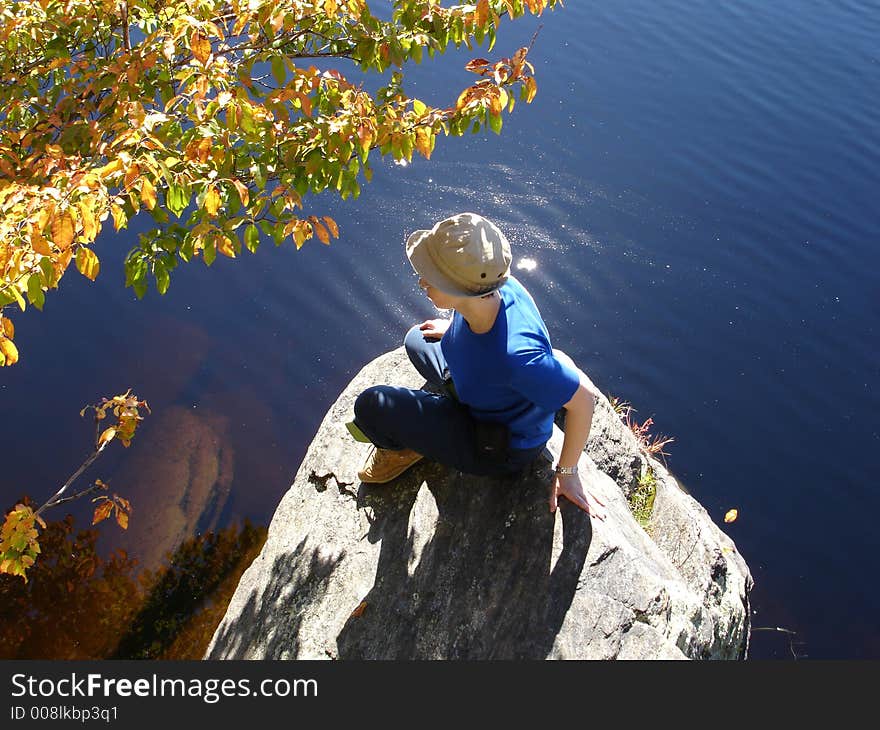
[542,379]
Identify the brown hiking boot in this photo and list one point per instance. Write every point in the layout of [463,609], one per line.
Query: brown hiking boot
[383,465]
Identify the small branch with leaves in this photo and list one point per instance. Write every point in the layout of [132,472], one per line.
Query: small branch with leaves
[19,546]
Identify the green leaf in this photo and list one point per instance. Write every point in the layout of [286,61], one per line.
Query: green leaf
[178,199]
[495,123]
[48,271]
[251,238]
[210,252]
[35,291]
[163,279]
[278,70]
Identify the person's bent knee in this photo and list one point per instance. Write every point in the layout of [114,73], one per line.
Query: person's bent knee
[414,340]
[368,404]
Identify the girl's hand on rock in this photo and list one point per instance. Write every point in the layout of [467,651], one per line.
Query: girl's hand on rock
[434,329]
[570,487]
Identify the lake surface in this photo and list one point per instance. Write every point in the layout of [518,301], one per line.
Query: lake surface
[696,184]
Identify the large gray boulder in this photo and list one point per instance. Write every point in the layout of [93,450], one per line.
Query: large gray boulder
[437,564]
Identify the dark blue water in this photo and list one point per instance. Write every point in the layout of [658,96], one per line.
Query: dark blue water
[694,196]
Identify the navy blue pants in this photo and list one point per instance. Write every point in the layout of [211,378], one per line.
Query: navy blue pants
[437,426]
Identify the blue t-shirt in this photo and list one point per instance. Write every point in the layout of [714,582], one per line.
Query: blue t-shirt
[509,374]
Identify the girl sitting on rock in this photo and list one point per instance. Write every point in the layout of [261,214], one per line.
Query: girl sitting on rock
[493,358]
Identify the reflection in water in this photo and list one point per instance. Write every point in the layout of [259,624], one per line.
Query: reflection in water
[178,481]
[78,604]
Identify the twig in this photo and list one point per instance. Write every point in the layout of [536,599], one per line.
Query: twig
[85,465]
[126,38]
[83,493]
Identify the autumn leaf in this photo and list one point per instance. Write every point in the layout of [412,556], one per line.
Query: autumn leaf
[531,89]
[62,230]
[7,327]
[359,611]
[120,220]
[731,515]
[319,230]
[212,201]
[107,436]
[200,46]
[242,192]
[87,263]
[148,194]
[122,519]
[482,12]
[224,246]
[89,224]
[9,350]
[331,224]
[102,511]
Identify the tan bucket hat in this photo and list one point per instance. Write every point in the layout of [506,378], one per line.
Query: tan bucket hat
[465,255]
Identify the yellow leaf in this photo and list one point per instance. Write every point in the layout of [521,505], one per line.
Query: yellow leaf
[148,194]
[119,218]
[7,327]
[531,89]
[87,263]
[109,169]
[423,141]
[200,46]
[89,224]
[242,191]
[107,436]
[62,230]
[9,350]
[122,519]
[212,201]
[731,515]
[224,246]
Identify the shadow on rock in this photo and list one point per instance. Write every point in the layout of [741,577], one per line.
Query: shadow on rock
[270,620]
[466,569]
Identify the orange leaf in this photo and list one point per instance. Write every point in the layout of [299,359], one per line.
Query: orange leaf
[7,327]
[331,224]
[40,244]
[102,512]
[62,230]
[148,194]
[87,263]
[359,611]
[200,46]
[319,230]
[122,519]
[731,515]
[482,13]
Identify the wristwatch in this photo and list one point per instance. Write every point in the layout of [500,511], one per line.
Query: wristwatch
[566,469]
